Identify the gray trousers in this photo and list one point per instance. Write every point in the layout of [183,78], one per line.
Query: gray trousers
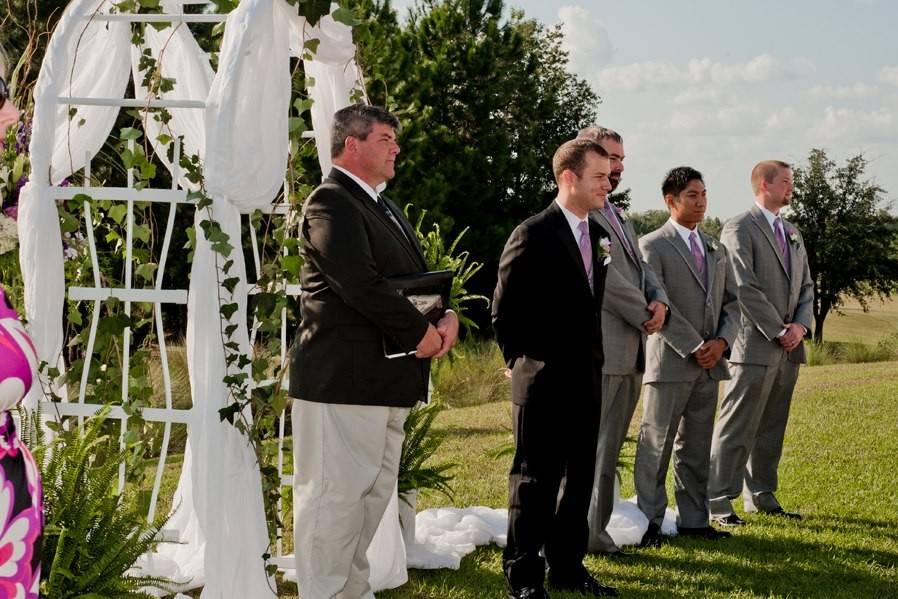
[677,417]
[748,438]
[346,460]
[619,396]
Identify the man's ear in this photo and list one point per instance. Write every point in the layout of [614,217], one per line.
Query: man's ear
[669,199]
[568,177]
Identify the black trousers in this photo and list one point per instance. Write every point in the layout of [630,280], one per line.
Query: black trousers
[549,488]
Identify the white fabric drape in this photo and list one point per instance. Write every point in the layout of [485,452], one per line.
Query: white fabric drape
[246,157]
[179,57]
[84,58]
[333,69]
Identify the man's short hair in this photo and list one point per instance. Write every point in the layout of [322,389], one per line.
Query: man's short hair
[357,120]
[600,134]
[677,179]
[571,155]
[766,170]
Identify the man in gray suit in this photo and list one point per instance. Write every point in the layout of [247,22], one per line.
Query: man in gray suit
[776,293]
[684,361]
[626,319]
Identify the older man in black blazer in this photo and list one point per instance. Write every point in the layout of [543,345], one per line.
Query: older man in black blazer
[546,315]
[350,399]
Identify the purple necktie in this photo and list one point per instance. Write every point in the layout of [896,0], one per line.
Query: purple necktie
[781,241]
[586,250]
[615,222]
[698,256]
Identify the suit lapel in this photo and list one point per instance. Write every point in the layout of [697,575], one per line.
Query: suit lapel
[612,230]
[368,203]
[563,230]
[710,262]
[673,237]
[761,222]
[406,228]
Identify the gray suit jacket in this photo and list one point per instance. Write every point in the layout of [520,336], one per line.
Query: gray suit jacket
[623,313]
[699,310]
[769,296]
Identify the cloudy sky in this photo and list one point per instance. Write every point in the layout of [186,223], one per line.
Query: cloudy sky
[720,84]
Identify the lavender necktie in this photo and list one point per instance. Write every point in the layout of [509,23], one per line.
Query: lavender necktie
[586,250]
[608,209]
[781,241]
[698,256]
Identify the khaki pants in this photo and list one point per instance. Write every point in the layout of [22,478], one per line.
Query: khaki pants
[346,460]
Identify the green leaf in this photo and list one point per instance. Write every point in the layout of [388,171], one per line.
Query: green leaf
[164,139]
[129,133]
[118,213]
[142,233]
[312,44]
[146,271]
[345,16]
[227,310]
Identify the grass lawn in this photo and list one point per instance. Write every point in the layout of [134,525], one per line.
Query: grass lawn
[838,469]
[855,325]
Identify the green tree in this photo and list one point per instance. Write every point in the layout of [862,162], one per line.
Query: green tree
[849,236]
[484,100]
[648,221]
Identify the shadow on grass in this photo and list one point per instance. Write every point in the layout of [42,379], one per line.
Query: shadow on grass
[767,558]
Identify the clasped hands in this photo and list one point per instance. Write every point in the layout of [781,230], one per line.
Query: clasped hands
[438,340]
[792,337]
[659,313]
[710,352]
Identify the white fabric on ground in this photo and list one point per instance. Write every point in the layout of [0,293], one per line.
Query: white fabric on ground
[443,536]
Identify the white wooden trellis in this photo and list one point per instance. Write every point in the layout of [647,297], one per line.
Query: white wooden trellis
[158,295]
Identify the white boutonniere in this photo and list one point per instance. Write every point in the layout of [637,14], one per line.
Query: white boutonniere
[793,237]
[604,250]
[711,244]
[621,214]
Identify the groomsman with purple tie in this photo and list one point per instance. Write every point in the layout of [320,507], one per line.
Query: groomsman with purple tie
[639,308]
[776,294]
[684,361]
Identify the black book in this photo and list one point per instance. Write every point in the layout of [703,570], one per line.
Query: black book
[429,293]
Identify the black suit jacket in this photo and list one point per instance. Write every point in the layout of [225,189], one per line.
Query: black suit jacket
[547,322]
[350,248]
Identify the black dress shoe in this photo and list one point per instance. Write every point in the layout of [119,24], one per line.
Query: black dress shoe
[728,520]
[586,585]
[652,536]
[535,592]
[704,532]
[781,512]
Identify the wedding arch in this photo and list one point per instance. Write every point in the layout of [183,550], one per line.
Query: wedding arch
[235,120]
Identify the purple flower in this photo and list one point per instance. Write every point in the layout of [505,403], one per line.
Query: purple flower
[12,212]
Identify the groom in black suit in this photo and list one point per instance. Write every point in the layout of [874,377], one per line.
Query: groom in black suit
[547,318]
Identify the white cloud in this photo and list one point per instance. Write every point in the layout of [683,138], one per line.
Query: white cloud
[857,91]
[888,75]
[641,76]
[863,126]
[585,38]
[729,119]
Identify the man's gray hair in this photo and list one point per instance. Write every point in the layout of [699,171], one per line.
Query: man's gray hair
[357,121]
[600,134]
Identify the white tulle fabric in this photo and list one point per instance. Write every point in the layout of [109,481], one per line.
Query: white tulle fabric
[80,61]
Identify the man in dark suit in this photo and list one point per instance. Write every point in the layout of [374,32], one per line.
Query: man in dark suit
[546,315]
[350,399]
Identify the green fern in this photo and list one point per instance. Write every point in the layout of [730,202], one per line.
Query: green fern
[418,447]
[439,257]
[93,535]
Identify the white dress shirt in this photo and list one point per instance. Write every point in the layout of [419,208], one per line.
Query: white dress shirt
[573,221]
[685,233]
